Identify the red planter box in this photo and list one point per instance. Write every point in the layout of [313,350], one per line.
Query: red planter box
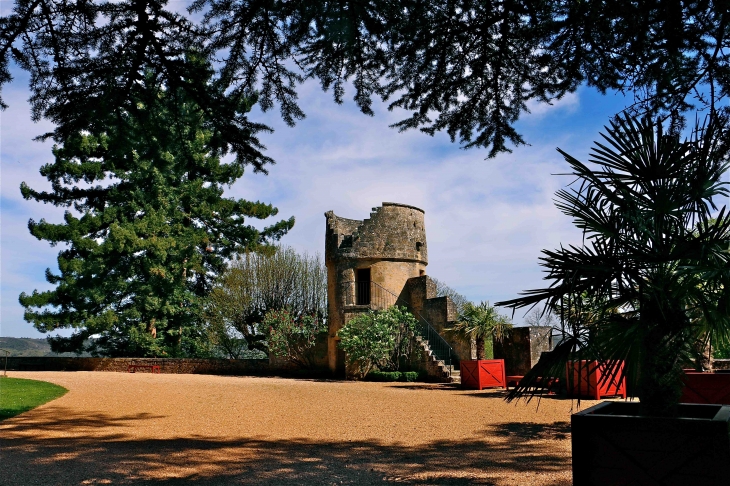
[482,373]
[706,388]
[591,379]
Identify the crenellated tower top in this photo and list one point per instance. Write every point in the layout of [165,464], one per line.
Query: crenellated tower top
[392,232]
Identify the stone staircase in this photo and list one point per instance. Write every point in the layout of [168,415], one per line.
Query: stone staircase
[435,367]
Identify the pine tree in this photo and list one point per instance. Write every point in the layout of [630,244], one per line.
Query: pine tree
[147,228]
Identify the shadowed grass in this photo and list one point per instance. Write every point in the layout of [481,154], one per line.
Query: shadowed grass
[18,395]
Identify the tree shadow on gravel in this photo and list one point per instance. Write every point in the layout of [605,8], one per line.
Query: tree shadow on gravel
[500,394]
[531,431]
[488,393]
[79,452]
[427,386]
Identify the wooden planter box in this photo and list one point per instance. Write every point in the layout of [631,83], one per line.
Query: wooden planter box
[706,388]
[613,445]
[589,379]
[482,373]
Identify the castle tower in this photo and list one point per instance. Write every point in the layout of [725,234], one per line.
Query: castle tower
[369,263]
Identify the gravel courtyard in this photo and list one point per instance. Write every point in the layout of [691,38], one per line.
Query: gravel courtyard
[120,428]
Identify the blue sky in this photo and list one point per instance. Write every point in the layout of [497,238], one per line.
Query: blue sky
[486,220]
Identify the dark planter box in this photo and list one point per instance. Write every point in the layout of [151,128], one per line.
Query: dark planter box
[591,379]
[706,388]
[482,373]
[613,445]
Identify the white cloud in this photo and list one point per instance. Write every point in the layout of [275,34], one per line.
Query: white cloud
[569,103]
[23,259]
[486,220]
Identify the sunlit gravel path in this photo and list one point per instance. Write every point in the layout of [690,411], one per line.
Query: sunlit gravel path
[120,428]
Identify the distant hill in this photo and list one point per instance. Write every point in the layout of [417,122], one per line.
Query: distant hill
[29,347]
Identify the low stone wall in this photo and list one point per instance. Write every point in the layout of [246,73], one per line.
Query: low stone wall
[185,366]
[721,364]
[167,365]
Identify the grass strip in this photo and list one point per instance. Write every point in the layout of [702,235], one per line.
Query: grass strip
[18,395]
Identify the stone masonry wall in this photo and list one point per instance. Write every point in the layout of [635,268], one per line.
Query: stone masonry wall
[393,231]
[721,364]
[522,348]
[417,291]
[439,312]
[167,365]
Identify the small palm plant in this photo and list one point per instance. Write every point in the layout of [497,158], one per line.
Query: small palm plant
[654,266]
[481,322]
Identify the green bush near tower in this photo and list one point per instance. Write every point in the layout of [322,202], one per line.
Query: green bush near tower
[389,376]
[377,340]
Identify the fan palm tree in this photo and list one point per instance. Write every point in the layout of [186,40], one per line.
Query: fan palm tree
[481,322]
[653,263]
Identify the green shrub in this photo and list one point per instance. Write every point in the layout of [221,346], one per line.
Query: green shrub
[377,340]
[721,352]
[413,376]
[409,376]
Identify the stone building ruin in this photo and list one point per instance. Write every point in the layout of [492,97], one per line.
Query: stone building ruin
[381,261]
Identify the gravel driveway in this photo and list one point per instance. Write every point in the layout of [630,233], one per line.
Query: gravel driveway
[120,428]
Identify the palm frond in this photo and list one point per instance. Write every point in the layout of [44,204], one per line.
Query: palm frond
[652,276]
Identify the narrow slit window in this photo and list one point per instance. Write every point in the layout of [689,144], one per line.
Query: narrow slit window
[362,286]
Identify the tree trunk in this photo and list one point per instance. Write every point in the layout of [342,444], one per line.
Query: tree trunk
[480,348]
[152,329]
[703,354]
[660,375]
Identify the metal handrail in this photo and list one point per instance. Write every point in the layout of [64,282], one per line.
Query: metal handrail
[369,293]
[377,297]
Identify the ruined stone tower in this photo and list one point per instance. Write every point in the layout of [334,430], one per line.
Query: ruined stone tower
[368,263]
[376,263]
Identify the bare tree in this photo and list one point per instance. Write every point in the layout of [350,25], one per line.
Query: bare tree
[542,318]
[259,282]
